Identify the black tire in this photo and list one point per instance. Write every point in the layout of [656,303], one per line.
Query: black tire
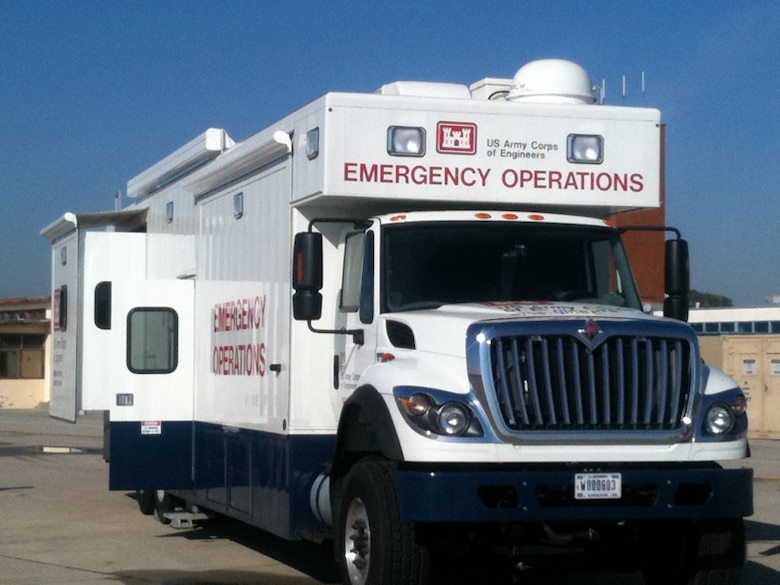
[145,501]
[373,545]
[164,503]
[707,552]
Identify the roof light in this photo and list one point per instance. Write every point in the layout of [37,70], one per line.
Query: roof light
[585,149]
[405,141]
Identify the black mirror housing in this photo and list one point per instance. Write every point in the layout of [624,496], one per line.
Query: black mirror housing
[677,279]
[307,276]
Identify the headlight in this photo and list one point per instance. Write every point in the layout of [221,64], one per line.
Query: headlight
[720,419]
[435,413]
[453,419]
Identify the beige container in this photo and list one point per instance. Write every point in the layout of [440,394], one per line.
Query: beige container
[754,362]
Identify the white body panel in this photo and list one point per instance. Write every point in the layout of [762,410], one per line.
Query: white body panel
[81,261]
[155,396]
[516,155]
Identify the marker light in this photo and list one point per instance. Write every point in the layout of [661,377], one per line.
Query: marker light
[313,143]
[405,141]
[417,404]
[585,149]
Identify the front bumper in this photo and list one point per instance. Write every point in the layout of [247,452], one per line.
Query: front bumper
[497,494]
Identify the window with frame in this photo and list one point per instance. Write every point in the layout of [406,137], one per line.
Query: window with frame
[152,340]
[22,356]
[352,272]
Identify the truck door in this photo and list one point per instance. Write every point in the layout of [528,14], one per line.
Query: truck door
[151,417]
[65,399]
[355,354]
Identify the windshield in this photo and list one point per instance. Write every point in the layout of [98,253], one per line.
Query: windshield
[426,265]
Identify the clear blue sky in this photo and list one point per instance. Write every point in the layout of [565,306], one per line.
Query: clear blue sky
[92,93]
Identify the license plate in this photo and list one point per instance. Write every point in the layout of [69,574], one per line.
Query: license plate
[597,486]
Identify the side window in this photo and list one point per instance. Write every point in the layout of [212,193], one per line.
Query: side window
[152,340]
[352,272]
[367,281]
[21,356]
[103,305]
[60,308]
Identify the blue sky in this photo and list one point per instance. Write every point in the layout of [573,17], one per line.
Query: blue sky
[92,93]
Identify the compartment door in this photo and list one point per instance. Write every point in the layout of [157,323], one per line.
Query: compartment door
[151,417]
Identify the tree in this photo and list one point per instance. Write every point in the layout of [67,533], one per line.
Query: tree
[705,300]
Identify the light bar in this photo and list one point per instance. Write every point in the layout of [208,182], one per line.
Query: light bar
[405,141]
[585,149]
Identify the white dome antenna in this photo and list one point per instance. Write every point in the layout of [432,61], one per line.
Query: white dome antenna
[552,81]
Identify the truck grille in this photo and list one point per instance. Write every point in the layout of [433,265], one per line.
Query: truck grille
[554,383]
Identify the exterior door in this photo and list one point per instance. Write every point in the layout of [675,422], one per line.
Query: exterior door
[151,416]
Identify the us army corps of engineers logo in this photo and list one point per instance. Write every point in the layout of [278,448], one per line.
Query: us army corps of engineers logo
[456,138]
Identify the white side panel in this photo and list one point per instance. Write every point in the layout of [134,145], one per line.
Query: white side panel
[243,304]
[500,153]
[106,256]
[242,373]
[65,400]
[152,395]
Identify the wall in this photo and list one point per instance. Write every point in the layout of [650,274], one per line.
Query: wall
[19,317]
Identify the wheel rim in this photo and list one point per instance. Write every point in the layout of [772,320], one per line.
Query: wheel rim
[357,542]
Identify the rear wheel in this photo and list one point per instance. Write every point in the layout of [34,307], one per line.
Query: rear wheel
[374,546]
[145,501]
[707,552]
[164,503]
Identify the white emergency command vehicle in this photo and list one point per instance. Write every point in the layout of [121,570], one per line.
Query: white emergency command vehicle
[404,322]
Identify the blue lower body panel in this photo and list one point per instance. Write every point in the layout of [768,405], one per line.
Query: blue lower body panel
[501,495]
[150,458]
[260,478]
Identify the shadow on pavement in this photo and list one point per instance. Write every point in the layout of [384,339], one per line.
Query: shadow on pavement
[312,559]
[208,578]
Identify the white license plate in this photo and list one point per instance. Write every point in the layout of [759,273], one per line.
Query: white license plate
[597,486]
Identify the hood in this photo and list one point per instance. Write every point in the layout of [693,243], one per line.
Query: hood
[443,330]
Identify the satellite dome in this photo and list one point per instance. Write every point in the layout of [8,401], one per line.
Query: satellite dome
[552,81]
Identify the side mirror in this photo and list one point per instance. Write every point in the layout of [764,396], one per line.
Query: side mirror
[307,276]
[677,279]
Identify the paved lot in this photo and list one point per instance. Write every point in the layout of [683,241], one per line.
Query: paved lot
[61,525]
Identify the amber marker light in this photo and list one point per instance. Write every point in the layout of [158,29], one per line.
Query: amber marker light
[416,404]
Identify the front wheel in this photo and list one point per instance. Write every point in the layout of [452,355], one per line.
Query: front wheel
[374,546]
[707,552]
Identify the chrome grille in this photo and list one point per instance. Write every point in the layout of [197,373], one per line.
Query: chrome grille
[559,383]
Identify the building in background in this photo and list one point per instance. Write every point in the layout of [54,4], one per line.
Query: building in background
[745,343]
[24,345]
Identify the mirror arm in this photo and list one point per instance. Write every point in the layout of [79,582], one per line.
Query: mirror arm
[358,338]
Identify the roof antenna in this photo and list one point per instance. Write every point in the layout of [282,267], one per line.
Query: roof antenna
[602,91]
